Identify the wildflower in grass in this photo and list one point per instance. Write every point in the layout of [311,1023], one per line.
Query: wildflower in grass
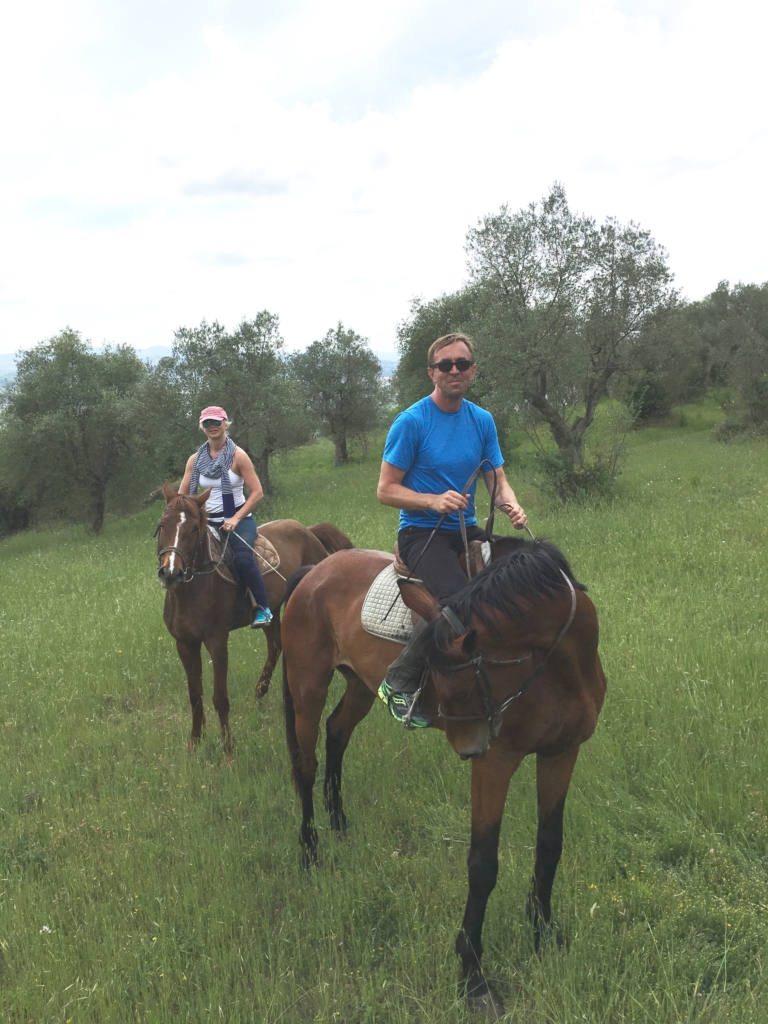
[44,930]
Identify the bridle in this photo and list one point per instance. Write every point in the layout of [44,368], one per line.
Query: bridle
[493,712]
[187,565]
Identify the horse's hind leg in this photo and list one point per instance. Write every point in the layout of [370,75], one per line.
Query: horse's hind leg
[553,777]
[305,688]
[189,653]
[351,709]
[272,635]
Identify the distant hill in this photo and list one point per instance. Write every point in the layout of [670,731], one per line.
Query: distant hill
[155,353]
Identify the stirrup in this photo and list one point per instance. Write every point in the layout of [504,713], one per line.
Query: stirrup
[262,618]
[404,707]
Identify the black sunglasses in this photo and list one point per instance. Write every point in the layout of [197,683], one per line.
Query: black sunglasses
[446,365]
[211,423]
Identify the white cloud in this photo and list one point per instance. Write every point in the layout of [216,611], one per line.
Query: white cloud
[203,192]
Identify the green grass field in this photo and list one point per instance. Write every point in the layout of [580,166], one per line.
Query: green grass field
[142,883]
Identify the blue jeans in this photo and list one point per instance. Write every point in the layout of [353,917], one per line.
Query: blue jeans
[245,560]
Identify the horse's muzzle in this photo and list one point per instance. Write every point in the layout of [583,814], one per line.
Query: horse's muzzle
[170,577]
[474,748]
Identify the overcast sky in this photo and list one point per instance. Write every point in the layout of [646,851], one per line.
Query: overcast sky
[167,161]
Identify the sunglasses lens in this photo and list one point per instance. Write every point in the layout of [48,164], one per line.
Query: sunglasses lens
[446,365]
[211,423]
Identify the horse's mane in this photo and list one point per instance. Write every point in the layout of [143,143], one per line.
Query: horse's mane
[528,571]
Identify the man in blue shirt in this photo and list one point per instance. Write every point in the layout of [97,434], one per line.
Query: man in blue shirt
[431,450]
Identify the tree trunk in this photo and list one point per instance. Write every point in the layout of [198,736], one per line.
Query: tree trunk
[340,444]
[261,465]
[569,438]
[98,505]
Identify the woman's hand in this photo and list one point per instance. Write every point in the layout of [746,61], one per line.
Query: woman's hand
[229,525]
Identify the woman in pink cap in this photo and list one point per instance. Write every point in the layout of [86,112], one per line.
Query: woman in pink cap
[227,469]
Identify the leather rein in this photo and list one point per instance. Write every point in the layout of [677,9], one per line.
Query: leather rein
[493,711]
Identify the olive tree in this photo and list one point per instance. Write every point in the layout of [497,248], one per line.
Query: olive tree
[247,372]
[75,414]
[343,389]
[567,304]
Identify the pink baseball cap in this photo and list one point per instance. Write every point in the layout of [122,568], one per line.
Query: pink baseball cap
[213,412]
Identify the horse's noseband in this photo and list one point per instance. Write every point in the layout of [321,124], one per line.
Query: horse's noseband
[494,712]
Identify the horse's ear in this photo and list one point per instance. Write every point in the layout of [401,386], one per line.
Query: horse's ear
[168,493]
[202,498]
[419,600]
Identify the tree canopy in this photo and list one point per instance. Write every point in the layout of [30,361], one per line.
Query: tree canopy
[342,386]
[247,372]
[75,415]
[559,308]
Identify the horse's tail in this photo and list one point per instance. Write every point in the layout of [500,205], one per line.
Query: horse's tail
[289,715]
[294,580]
[331,537]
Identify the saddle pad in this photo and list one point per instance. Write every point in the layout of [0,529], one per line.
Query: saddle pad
[266,554]
[383,591]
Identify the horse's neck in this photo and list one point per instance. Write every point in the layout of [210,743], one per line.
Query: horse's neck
[203,548]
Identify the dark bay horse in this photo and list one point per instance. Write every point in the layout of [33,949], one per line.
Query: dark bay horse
[515,671]
[200,603]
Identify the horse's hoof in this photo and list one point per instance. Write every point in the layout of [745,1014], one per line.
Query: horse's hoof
[262,688]
[309,860]
[485,1003]
[193,744]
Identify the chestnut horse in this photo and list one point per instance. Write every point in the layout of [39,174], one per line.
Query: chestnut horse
[200,603]
[513,669]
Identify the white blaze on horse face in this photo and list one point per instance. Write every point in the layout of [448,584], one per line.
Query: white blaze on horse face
[182,520]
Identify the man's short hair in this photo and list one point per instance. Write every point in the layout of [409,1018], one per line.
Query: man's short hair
[448,339]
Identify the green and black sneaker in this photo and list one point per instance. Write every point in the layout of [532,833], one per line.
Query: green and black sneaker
[404,707]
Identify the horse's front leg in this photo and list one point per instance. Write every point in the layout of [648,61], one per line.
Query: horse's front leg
[553,777]
[490,783]
[219,652]
[189,653]
[272,635]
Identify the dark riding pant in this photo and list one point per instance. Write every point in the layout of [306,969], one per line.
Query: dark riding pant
[438,567]
[245,560]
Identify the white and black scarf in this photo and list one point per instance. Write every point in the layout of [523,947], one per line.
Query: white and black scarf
[216,469]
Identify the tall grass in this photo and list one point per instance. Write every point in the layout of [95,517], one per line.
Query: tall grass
[140,883]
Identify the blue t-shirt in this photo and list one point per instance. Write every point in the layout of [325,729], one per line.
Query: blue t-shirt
[439,452]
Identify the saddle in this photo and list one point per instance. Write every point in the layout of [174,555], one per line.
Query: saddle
[479,557]
[384,612]
[267,557]
[268,560]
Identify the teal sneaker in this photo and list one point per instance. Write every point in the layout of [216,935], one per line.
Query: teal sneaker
[404,707]
[262,618]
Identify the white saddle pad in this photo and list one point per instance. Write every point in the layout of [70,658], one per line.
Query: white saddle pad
[384,590]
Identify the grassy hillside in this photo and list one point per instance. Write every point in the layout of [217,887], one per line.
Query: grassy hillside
[140,883]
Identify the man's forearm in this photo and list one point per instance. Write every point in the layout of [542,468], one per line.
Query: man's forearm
[504,493]
[397,496]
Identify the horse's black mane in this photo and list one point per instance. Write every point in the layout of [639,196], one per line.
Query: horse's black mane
[527,571]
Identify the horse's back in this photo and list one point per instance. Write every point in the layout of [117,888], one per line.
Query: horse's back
[322,618]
